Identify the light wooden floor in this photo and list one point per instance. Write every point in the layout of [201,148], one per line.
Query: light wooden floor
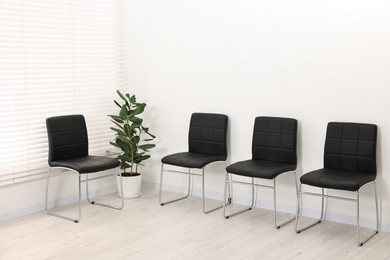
[145,230]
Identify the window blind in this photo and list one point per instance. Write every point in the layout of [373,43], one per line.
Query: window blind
[56,58]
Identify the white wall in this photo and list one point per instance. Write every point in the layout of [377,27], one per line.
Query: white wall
[316,61]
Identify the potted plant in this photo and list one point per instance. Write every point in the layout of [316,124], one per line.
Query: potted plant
[129,139]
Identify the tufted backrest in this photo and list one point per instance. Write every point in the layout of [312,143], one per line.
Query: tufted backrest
[67,136]
[275,139]
[351,146]
[208,134]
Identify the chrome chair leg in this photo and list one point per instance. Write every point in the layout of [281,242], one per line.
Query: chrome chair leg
[93,202]
[253,185]
[47,189]
[174,200]
[229,199]
[204,198]
[190,175]
[246,209]
[225,192]
[277,226]
[77,220]
[299,211]
[230,194]
[359,242]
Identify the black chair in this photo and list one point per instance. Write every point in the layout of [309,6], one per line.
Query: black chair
[206,145]
[273,153]
[349,164]
[68,149]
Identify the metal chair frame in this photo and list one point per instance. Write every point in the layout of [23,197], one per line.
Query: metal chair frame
[87,179]
[189,174]
[323,196]
[230,181]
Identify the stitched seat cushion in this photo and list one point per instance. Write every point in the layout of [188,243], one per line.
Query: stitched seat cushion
[275,139]
[337,179]
[87,164]
[349,157]
[273,149]
[191,160]
[260,169]
[206,142]
[208,133]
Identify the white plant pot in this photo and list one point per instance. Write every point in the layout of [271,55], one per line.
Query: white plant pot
[131,186]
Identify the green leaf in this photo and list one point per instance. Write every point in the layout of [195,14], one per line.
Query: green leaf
[114,144]
[136,120]
[119,131]
[116,118]
[124,112]
[121,95]
[122,145]
[124,158]
[119,125]
[124,165]
[151,135]
[116,102]
[129,130]
[146,146]
[139,159]
[127,143]
[138,110]
[132,99]
[135,139]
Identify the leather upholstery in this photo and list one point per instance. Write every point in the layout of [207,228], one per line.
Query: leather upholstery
[260,169]
[191,160]
[273,149]
[351,146]
[68,146]
[87,164]
[67,136]
[337,179]
[207,134]
[349,157]
[275,139]
[206,142]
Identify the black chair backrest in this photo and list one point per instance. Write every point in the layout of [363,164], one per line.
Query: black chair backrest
[275,139]
[68,137]
[351,146]
[208,133]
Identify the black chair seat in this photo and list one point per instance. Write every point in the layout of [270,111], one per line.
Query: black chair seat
[191,159]
[337,179]
[260,169]
[87,164]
